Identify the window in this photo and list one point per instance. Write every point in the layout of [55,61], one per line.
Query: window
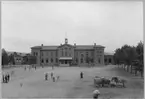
[76,60]
[42,61]
[36,54]
[87,54]
[109,60]
[99,60]
[82,55]
[81,60]
[56,53]
[65,51]
[62,52]
[56,60]
[51,60]
[47,60]
[105,60]
[51,54]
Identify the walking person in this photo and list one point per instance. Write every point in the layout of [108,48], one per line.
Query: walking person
[25,68]
[51,75]
[35,67]
[46,76]
[21,84]
[53,79]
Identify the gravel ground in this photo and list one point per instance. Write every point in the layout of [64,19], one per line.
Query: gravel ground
[70,85]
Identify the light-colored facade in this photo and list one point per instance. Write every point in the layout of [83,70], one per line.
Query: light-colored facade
[67,55]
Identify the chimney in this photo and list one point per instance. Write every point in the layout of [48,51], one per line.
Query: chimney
[41,44]
[74,44]
[94,44]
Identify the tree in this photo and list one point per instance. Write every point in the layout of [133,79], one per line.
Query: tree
[139,50]
[4,57]
[130,54]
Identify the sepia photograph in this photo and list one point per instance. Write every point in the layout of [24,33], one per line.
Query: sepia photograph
[72,49]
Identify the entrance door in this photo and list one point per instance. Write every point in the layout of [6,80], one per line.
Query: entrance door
[65,61]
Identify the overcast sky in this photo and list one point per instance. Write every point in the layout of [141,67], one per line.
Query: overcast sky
[32,23]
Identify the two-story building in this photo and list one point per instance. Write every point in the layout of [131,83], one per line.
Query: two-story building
[67,54]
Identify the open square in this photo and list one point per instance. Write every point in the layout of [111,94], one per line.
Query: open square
[69,84]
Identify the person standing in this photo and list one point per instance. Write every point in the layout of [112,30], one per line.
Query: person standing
[81,75]
[8,77]
[3,78]
[35,67]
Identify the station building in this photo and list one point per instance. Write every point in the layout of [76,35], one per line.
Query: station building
[67,54]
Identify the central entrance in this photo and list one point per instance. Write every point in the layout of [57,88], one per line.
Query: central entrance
[65,61]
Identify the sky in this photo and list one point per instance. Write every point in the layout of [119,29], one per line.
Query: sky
[31,23]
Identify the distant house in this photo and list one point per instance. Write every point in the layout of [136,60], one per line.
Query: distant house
[18,57]
[108,58]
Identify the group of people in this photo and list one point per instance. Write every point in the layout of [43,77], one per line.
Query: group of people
[29,67]
[6,78]
[54,78]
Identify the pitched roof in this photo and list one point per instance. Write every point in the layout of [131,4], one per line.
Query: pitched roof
[87,46]
[49,47]
[18,53]
[36,47]
[77,47]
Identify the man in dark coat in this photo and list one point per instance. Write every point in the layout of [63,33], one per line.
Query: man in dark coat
[4,78]
[81,75]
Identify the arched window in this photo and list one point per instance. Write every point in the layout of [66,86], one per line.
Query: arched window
[109,60]
[42,61]
[65,51]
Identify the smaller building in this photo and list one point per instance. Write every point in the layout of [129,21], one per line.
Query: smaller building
[18,58]
[108,58]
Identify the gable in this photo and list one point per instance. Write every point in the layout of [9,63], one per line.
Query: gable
[66,46]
